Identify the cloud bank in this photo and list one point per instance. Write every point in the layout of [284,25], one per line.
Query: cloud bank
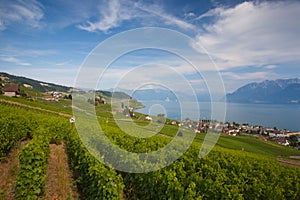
[28,12]
[15,61]
[253,33]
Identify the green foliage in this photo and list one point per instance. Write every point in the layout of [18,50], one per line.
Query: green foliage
[33,165]
[63,106]
[222,174]
[226,173]
[96,180]
[18,123]
[15,125]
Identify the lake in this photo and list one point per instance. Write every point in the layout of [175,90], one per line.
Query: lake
[267,115]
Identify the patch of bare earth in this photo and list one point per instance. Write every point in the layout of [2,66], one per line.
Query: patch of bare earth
[59,181]
[8,171]
[289,162]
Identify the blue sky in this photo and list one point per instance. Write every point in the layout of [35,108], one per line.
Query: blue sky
[248,41]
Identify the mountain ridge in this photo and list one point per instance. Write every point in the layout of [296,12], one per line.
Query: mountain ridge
[280,91]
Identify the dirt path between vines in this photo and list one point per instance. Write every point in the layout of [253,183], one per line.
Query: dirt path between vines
[289,162]
[8,171]
[60,184]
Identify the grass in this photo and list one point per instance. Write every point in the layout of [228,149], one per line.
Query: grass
[255,145]
[63,106]
[252,145]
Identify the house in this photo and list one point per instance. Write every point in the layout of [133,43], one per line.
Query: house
[283,142]
[233,132]
[173,123]
[201,127]
[49,98]
[3,78]
[11,90]
[27,86]
[148,118]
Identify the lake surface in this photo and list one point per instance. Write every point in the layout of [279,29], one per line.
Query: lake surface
[267,115]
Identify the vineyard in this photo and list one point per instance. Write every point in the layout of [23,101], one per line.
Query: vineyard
[226,173]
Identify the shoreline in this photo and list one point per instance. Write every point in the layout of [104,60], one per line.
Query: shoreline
[281,116]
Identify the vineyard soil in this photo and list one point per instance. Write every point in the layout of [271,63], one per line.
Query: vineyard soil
[8,171]
[59,182]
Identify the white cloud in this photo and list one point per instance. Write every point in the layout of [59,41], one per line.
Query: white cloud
[63,63]
[189,15]
[143,76]
[114,13]
[253,33]
[13,51]
[246,76]
[28,12]
[270,67]
[15,61]
[167,18]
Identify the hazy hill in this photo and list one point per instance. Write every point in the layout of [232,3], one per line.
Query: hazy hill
[166,95]
[281,91]
[117,95]
[37,85]
[42,86]
[154,94]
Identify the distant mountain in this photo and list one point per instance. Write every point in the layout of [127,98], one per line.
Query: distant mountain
[154,94]
[281,91]
[37,85]
[166,95]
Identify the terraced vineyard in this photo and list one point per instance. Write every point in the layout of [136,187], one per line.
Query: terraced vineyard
[237,168]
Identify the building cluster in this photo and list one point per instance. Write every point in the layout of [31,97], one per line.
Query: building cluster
[282,137]
[55,96]
[13,90]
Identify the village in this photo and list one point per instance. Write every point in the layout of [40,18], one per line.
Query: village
[282,137]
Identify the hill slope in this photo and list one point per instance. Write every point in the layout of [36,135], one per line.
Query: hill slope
[42,86]
[37,85]
[281,91]
[167,95]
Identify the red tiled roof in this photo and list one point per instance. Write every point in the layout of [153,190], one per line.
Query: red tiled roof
[11,87]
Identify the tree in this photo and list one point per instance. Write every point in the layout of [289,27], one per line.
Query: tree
[161,115]
[161,118]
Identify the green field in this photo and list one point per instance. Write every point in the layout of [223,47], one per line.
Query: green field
[253,145]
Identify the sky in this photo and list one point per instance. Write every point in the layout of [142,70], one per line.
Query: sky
[248,41]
